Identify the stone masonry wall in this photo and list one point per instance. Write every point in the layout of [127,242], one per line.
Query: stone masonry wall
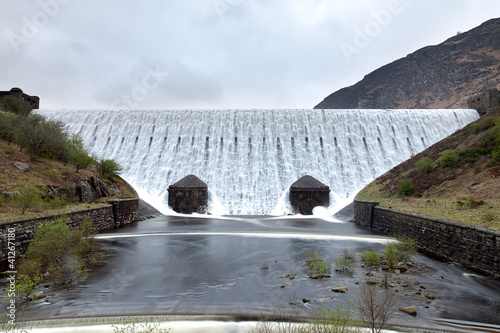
[117,213]
[474,247]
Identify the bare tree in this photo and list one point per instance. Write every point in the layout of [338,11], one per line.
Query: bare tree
[376,307]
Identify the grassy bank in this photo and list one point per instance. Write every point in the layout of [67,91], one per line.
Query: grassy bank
[456,179]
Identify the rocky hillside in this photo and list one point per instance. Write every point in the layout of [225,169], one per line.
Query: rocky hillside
[440,76]
[60,186]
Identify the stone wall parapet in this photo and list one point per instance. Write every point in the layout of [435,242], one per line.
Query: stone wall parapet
[474,247]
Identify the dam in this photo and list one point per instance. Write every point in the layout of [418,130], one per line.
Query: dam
[249,158]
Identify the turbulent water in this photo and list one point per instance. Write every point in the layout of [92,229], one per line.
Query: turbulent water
[249,158]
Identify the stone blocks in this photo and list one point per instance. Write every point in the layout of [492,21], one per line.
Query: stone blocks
[307,193]
[188,195]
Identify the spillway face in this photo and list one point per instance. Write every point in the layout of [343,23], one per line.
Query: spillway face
[248,158]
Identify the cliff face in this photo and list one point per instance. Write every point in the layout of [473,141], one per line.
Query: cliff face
[440,76]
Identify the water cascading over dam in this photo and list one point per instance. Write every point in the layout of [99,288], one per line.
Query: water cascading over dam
[249,158]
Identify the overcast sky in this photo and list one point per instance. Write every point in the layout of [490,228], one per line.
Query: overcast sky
[171,54]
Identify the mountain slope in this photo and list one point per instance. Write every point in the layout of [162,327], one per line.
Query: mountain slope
[440,76]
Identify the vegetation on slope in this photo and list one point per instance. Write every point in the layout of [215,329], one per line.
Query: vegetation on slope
[56,161]
[457,179]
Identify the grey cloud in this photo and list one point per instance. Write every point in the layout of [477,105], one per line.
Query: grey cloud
[218,53]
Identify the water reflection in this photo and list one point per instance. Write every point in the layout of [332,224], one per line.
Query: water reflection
[163,266]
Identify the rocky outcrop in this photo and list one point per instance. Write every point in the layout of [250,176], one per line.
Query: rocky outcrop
[440,76]
[307,193]
[188,195]
[92,189]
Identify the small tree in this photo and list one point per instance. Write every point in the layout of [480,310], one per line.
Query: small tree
[376,307]
[9,130]
[108,168]
[58,253]
[425,165]
[405,186]
[15,105]
[37,134]
[79,156]
[28,196]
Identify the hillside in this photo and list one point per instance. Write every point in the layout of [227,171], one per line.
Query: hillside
[460,180]
[434,77]
[61,186]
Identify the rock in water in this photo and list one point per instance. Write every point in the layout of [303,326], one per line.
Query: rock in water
[411,310]
[307,193]
[342,290]
[188,195]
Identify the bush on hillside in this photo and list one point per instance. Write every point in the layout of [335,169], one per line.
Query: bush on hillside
[15,105]
[28,196]
[78,155]
[449,158]
[40,135]
[108,168]
[483,124]
[425,165]
[405,186]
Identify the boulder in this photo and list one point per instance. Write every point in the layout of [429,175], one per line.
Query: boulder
[411,310]
[307,193]
[429,295]
[92,189]
[342,290]
[21,166]
[188,195]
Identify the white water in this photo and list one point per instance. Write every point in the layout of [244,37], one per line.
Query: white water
[249,158]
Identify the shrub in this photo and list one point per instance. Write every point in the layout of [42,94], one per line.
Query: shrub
[482,124]
[316,264]
[425,165]
[406,248]
[39,135]
[319,268]
[449,158]
[495,157]
[78,155]
[345,262]
[15,105]
[391,254]
[108,168]
[342,319]
[9,130]
[56,203]
[371,258]
[58,253]
[25,286]
[28,196]
[405,186]
[312,255]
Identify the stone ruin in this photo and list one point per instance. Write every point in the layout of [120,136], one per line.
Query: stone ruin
[188,195]
[307,193]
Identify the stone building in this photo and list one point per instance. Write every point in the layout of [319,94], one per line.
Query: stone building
[34,101]
[484,102]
